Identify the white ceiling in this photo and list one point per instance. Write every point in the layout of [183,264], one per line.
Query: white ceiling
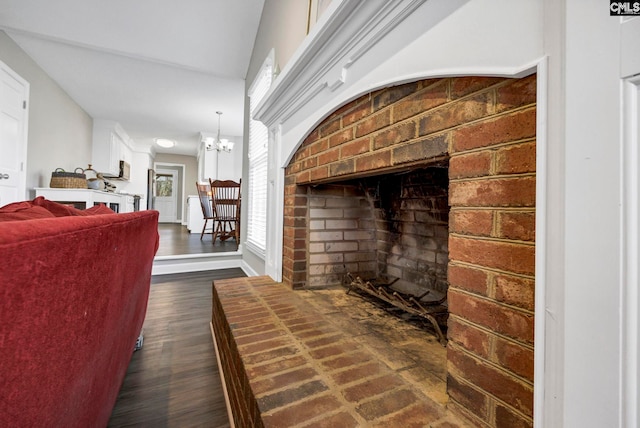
[161,68]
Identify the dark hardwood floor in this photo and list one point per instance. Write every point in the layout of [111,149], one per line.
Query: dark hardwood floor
[175,240]
[173,381]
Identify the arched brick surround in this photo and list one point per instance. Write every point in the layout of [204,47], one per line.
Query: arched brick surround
[486,128]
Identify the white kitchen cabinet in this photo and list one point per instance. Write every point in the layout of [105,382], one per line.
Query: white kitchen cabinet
[86,198]
[126,153]
[111,144]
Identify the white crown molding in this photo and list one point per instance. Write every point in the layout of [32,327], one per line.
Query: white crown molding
[347,30]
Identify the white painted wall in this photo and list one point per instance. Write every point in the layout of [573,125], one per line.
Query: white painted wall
[283,26]
[230,163]
[60,132]
[221,165]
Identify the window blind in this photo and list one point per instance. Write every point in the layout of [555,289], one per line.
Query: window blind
[258,162]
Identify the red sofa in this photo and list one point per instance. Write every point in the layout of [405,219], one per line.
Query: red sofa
[74,287]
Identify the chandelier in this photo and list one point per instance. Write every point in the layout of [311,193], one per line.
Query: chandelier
[219,144]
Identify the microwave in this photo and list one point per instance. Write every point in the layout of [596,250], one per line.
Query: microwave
[124,171]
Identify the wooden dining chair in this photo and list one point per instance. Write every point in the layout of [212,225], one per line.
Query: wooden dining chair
[225,198]
[204,194]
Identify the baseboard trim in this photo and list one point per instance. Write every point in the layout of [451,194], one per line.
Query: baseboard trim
[248,269]
[196,263]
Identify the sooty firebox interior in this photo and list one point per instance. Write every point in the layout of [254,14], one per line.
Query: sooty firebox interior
[385,236]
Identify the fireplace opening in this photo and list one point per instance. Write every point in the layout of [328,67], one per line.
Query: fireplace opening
[385,236]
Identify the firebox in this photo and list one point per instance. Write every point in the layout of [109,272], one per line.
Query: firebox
[384,235]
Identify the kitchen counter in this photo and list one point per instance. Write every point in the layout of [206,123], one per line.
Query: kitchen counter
[86,198]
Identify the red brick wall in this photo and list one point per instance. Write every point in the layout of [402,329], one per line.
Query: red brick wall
[486,128]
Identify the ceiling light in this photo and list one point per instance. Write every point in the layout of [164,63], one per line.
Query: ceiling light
[163,142]
[221,145]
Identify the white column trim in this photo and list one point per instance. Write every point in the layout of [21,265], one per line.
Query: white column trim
[630,254]
[540,349]
[275,214]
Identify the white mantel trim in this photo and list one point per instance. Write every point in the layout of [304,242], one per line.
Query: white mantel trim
[359,46]
[347,31]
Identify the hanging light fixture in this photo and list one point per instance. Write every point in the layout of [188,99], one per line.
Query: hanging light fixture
[221,145]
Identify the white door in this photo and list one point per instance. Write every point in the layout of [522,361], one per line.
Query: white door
[14,92]
[166,201]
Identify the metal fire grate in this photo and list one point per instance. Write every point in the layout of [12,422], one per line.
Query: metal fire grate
[431,310]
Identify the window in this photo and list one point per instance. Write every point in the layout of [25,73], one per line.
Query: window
[258,156]
[164,185]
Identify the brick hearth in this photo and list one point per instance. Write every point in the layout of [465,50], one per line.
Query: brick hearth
[322,358]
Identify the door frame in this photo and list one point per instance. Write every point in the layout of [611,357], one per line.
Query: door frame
[22,179]
[180,208]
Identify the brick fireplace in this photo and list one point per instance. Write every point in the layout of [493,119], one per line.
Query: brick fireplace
[432,182]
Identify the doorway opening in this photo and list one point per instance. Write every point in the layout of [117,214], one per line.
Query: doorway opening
[166,196]
[169,191]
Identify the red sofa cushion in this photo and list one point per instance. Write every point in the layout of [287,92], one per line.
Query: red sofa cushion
[23,211]
[61,210]
[43,208]
[99,209]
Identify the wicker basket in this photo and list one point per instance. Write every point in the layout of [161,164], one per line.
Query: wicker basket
[60,179]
